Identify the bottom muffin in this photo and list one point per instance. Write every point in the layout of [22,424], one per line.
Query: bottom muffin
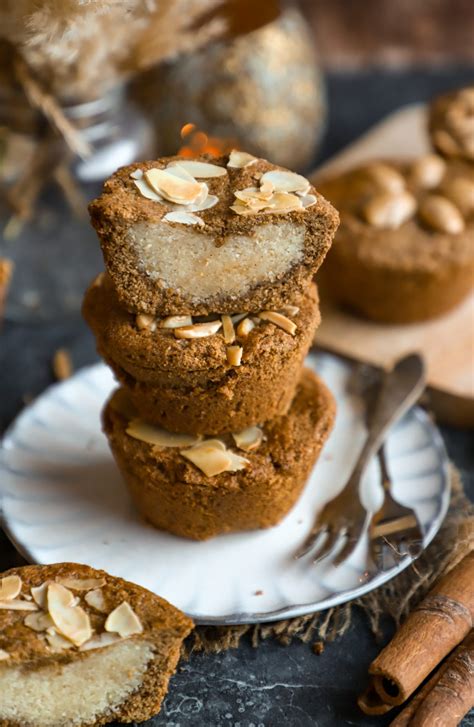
[81,648]
[198,488]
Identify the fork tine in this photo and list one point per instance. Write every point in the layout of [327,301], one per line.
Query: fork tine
[384,554]
[317,530]
[347,550]
[328,547]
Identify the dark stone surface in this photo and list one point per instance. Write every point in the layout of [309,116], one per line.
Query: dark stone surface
[272,686]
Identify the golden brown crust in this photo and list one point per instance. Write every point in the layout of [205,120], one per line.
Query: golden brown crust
[395,275]
[451,123]
[188,385]
[121,205]
[164,626]
[176,496]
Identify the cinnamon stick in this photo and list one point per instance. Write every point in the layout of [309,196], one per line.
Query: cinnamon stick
[404,718]
[440,622]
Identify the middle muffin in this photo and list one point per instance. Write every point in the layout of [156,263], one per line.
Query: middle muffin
[188,385]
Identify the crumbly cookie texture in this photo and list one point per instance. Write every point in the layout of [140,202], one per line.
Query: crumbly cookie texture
[80,648]
[189,384]
[451,124]
[192,237]
[239,481]
[404,249]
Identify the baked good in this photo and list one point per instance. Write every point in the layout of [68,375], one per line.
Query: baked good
[451,123]
[193,384]
[6,268]
[79,647]
[178,241]
[200,488]
[404,249]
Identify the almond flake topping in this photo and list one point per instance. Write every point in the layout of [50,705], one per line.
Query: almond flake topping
[124,621]
[146,191]
[279,320]
[70,620]
[234,355]
[82,584]
[228,329]
[16,604]
[58,642]
[176,322]
[39,621]
[10,587]
[100,641]
[139,429]
[184,218]
[198,330]
[96,600]
[200,170]
[240,159]
[39,594]
[145,322]
[284,181]
[172,187]
[248,439]
[4,655]
[212,457]
[290,310]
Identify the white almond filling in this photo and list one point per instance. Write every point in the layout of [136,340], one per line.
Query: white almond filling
[187,261]
[75,693]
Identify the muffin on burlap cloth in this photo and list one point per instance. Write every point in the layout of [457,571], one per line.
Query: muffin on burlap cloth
[193,237]
[199,488]
[404,251]
[189,385]
[79,647]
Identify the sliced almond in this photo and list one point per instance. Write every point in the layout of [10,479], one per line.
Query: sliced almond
[446,143]
[198,330]
[4,655]
[428,171]
[244,327]
[200,170]
[254,197]
[237,317]
[289,310]
[176,322]
[124,621]
[100,641]
[145,322]
[236,461]
[441,214]
[234,355]
[82,584]
[386,177]
[209,201]
[72,622]
[248,439]
[137,174]
[58,642]
[228,329]
[15,604]
[40,593]
[172,187]
[146,191]
[284,181]
[184,218]
[283,202]
[39,621]
[389,211]
[96,600]
[212,458]
[307,200]
[279,320]
[138,429]
[460,190]
[10,587]
[240,159]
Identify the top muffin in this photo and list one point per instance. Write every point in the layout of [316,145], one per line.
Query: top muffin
[209,235]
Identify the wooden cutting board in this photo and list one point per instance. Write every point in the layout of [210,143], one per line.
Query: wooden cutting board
[446,343]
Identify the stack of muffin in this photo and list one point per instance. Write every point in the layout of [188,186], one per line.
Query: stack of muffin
[205,315]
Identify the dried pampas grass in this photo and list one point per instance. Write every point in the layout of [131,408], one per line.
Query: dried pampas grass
[79,48]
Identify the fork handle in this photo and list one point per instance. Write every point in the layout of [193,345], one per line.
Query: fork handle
[400,389]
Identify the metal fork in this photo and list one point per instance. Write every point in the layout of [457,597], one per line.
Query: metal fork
[344,516]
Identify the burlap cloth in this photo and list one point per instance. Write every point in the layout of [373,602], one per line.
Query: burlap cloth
[394,600]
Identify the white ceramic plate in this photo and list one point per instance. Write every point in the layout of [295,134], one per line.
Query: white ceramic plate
[62,499]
